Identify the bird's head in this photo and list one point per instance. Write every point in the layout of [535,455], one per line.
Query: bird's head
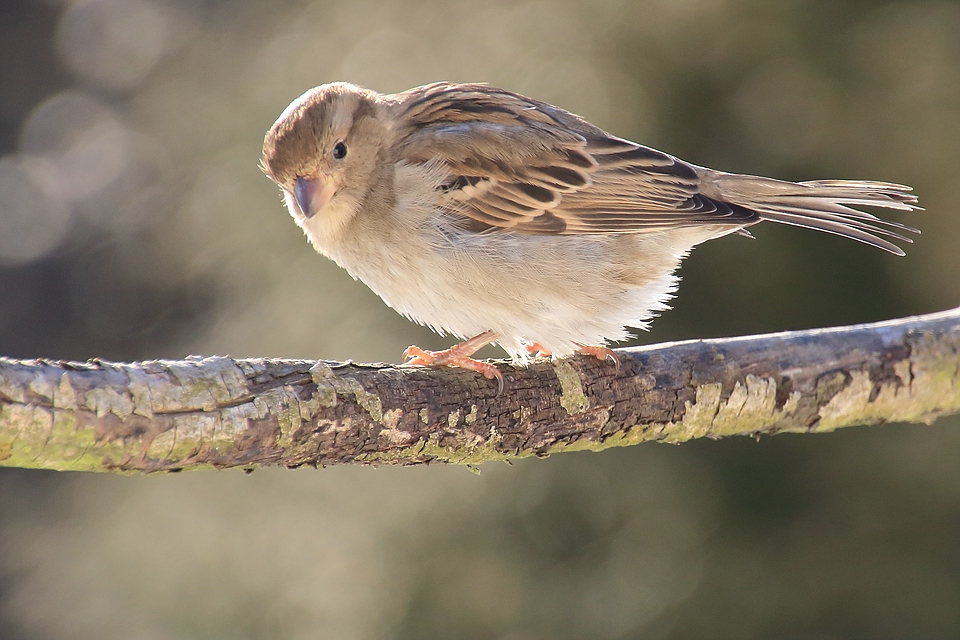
[324,150]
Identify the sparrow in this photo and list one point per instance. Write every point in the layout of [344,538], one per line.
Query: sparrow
[498,218]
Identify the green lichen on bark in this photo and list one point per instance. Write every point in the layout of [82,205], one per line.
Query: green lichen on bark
[925,386]
[572,397]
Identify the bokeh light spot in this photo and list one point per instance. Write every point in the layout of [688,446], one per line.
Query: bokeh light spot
[115,44]
[32,223]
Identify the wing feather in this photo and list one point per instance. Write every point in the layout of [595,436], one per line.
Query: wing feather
[520,164]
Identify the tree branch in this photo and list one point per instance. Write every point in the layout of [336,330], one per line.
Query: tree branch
[220,412]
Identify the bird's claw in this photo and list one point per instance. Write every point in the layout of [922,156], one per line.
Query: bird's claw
[414,354]
[600,353]
[537,350]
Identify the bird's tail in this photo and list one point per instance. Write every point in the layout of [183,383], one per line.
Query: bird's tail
[825,205]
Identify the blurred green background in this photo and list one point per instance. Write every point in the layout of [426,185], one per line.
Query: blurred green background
[134,224]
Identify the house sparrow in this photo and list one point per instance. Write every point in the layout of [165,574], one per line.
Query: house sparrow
[501,219]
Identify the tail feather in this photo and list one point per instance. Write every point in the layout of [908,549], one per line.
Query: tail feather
[872,224]
[824,205]
[868,234]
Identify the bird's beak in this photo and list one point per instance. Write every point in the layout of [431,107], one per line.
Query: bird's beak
[313,195]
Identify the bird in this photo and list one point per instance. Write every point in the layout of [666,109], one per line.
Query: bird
[501,219]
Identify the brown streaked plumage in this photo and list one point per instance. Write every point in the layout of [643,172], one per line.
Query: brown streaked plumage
[475,210]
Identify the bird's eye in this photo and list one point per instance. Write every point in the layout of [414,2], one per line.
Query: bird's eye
[339,151]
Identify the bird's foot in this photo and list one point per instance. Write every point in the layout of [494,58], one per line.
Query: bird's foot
[458,356]
[600,353]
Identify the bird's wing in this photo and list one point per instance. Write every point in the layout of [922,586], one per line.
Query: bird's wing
[523,165]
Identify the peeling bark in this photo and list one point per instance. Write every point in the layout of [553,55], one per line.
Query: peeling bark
[220,412]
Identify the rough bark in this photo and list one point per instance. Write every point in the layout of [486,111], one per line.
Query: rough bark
[220,412]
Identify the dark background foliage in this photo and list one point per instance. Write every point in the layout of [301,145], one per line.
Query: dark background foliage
[134,224]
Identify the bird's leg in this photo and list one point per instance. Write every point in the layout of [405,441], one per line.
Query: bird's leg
[600,353]
[458,356]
